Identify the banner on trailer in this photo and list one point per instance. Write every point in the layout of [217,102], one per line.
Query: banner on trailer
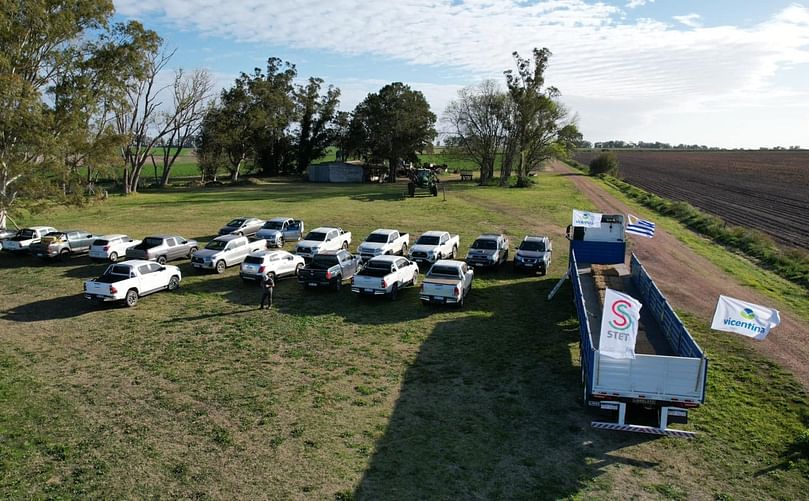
[619,325]
[586,219]
[747,319]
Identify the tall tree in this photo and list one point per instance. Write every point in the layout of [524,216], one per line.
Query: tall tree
[316,114]
[393,124]
[190,95]
[478,119]
[55,79]
[539,127]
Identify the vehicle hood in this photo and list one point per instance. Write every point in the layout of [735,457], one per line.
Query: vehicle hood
[482,252]
[268,234]
[310,243]
[371,246]
[209,253]
[532,254]
[423,248]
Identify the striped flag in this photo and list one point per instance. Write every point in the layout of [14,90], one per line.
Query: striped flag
[640,227]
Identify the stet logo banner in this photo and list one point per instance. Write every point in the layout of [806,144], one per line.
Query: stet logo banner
[619,325]
[747,319]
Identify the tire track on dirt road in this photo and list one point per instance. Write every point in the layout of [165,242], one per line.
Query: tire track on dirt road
[692,283]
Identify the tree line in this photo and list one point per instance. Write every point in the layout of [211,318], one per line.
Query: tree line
[82,98]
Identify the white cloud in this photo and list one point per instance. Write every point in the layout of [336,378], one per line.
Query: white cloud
[691,20]
[600,57]
[637,3]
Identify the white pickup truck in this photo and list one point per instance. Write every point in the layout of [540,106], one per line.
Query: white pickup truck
[434,245]
[447,282]
[21,242]
[385,275]
[383,241]
[323,239]
[129,280]
[225,251]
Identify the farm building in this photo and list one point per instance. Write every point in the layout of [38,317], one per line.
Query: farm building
[336,172]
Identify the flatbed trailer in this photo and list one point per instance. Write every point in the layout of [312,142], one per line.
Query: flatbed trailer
[669,371]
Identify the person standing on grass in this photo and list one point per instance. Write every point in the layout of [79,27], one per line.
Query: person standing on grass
[267,285]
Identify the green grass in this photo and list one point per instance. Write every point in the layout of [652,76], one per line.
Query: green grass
[198,394]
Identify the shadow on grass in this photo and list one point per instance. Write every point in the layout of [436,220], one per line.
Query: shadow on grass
[50,309]
[491,408]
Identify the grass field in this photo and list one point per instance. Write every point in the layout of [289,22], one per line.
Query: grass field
[198,394]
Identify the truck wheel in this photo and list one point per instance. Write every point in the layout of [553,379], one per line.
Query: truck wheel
[394,291]
[415,277]
[113,257]
[63,254]
[191,252]
[404,250]
[174,283]
[131,298]
[461,302]
[338,283]
[298,269]
[220,266]
[425,303]
[161,260]
[454,253]
[345,245]
[281,241]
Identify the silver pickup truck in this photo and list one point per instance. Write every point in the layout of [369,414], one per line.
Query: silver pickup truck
[162,248]
[225,251]
[281,229]
[62,244]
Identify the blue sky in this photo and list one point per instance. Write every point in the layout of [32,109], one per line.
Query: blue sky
[724,73]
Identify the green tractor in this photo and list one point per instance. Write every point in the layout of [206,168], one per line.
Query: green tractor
[424,179]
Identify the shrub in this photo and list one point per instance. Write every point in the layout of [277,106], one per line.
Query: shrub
[605,163]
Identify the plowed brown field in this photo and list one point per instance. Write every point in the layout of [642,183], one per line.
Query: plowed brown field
[765,190]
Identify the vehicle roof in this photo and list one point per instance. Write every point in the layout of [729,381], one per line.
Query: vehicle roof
[490,235]
[39,228]
[433,233]
[266,253]
[325,229]
[279,219]
[330,252]
[534,237]
[133,262]
[449,262]
[162,236]
[385,259]
[111,236]
[386,231]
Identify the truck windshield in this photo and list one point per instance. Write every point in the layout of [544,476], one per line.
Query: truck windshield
[530,245]
[216,245]
[273,225]
[484,244]
[443,271]
[426,240]
[324,262]
[316,235]
[377,238]
[236,223]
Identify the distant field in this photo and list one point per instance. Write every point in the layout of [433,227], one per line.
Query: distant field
[197,394]
[765,190]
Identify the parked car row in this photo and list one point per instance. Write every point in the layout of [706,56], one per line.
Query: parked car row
[385,262]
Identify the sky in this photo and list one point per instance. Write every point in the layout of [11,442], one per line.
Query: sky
[727,73]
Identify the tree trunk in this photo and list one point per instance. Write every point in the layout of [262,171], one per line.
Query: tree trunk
[392,163]
[234,173]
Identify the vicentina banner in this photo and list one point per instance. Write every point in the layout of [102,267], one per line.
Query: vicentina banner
[585,219]
[619,325]
[747,319]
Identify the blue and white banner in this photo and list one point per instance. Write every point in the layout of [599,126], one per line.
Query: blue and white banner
[640,227]
[619,325]
[585,219]
[747,319]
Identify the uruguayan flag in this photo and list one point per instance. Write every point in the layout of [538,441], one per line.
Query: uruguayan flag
[640,227]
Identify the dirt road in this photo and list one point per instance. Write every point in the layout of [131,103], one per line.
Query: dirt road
[692,283]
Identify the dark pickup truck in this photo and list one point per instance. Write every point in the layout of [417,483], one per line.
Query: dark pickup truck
[62,244]
[329,269]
